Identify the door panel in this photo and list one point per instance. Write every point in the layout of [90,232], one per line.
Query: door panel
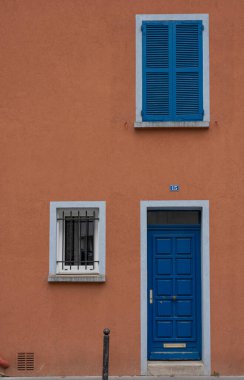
[174,276]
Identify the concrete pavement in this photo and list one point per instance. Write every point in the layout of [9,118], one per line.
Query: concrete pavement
[131,378]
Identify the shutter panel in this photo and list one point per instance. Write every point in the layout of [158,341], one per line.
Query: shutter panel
[156,71]
[188,87]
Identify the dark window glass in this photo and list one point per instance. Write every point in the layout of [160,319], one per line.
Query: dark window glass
[79,242]
[173,217]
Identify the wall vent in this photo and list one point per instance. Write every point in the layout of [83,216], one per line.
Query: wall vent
[25,361]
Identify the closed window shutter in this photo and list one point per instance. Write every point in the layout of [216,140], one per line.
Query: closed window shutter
[172,71]
[187,76]
[156,71]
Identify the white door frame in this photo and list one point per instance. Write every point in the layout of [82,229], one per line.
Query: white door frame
[203,206]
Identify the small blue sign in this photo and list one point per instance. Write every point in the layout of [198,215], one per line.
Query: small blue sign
[174,188]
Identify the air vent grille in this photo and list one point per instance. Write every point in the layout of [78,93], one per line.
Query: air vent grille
[25,361]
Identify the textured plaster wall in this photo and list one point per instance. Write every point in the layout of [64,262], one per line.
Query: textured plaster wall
[67,107]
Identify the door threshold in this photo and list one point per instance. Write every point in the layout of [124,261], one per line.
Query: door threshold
[175,368]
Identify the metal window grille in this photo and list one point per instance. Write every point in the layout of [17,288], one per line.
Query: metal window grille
[78,235]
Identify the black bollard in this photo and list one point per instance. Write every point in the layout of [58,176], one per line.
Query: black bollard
[106,333]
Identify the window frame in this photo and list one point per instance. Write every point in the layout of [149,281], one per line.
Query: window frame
[139,123]
[72,275]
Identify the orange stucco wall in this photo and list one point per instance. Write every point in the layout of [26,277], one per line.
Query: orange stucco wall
[67,107]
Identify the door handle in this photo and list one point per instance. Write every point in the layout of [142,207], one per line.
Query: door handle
[174,298]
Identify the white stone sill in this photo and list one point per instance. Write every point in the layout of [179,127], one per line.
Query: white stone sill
[76,278]
[172,124]
[175,368]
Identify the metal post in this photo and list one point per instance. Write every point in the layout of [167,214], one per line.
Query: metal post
[106,333]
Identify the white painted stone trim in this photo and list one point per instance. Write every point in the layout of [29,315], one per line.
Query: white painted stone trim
[76,278]
[53,276]
[172,124]
[206,93]
[202,205]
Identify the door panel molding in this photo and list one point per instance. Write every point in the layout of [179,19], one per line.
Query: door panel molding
[175,315]
[203,206]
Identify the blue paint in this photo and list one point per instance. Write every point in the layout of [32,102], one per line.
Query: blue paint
[172,71]
[174,275]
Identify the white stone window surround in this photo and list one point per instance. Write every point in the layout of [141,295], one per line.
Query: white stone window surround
[203,206]
[62,268]
[54,275]
[206,95]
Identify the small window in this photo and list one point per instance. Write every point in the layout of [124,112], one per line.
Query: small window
[171,217]
[172,71]
[77,241]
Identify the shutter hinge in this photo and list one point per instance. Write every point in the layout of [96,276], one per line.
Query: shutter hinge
[142,27]
[202,27]
[142,113]
[202,113]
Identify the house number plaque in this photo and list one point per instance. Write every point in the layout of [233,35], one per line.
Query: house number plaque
[174,187]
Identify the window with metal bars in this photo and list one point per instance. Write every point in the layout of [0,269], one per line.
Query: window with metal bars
[77,240]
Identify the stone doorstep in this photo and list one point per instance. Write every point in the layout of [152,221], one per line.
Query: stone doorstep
[175,368]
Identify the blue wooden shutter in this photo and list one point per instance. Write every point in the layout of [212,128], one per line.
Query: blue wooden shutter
[156,64]
[172,87]
[187,71]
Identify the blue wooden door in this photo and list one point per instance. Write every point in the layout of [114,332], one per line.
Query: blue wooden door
[174,293]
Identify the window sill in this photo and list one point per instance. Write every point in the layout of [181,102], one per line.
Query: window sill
[171,124]
[76,278]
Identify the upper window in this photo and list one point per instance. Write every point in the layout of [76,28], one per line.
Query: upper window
[77,241]
[172,70]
